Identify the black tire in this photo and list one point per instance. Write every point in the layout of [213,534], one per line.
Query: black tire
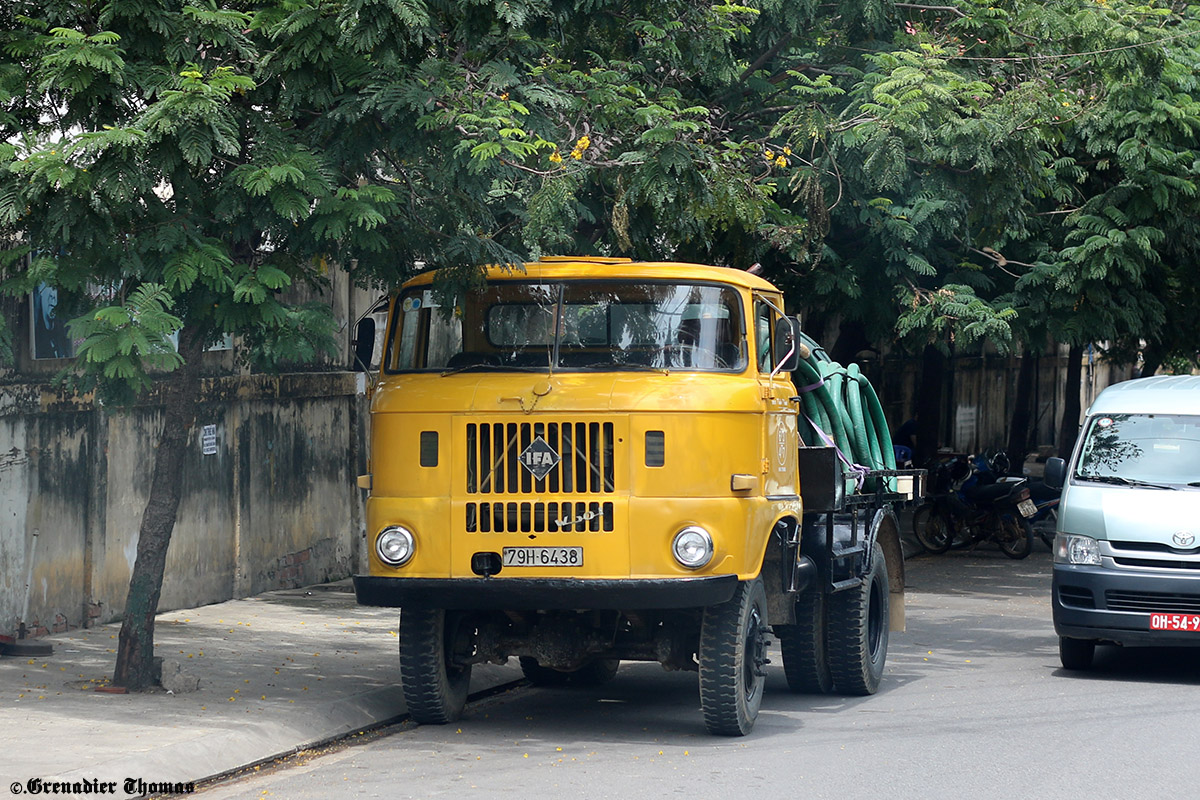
[732,655]
[596,672]
[1016,537]
[858,630]
[804,647]
[932,529]
[1076,654]
[434,689]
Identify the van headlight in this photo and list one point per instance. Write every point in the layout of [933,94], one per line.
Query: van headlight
[395,546]
[1070,548]
[692,547]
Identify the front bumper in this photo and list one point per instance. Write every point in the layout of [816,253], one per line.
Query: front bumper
[1115,605]
[525,594]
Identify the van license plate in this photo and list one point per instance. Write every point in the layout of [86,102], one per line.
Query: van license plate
[1027,508]
[1175,622]
[543,557]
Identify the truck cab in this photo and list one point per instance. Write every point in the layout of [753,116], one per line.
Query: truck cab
[591,460]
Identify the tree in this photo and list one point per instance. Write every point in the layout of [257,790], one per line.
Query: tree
[146,169]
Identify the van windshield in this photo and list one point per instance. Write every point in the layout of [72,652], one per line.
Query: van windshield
[571,326]
[1161,449]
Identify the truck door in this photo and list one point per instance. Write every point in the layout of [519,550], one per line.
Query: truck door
[780,438]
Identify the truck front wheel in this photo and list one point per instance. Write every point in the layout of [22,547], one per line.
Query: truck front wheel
[732,655]
[858,630]
[435,689]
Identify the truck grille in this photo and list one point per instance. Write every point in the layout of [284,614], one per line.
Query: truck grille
[585,451]
[539,517]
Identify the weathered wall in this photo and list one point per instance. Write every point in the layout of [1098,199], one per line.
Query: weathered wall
[980,393]
[275,506]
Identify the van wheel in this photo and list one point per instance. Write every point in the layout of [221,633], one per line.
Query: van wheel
[858,630]
[435,689]
[732,656]
[804,648]
[1076,654]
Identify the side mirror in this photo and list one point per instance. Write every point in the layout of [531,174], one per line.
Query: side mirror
[787,344]
[364,344]
[1056,472]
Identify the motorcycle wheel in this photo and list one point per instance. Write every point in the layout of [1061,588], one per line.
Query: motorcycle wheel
[1016,537]
[932,528]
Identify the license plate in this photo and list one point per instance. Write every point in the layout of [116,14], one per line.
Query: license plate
[1027,508]
[1175,622]
[543,557]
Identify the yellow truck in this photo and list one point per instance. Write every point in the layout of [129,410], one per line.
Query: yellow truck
[592,460]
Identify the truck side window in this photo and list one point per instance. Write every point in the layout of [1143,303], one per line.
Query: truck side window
[763,325]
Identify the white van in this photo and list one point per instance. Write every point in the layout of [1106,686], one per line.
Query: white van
[1127,552]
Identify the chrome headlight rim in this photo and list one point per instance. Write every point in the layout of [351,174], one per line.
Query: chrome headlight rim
[400,536]
[1077,550]
[692,547]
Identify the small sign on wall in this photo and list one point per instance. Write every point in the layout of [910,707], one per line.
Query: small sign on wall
[208,440]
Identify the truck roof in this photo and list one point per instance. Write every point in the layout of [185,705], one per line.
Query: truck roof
[599,268]
[1161,394]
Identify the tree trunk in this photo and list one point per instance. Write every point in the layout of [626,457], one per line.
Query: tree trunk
[929,404]
[1018,431]
[1068,431]
[135,646]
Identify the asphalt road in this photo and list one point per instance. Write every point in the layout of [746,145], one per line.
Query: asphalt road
[974,704]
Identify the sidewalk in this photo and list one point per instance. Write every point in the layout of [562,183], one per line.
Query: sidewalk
[277,673]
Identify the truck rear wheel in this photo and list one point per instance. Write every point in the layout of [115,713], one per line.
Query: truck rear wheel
[435,690]
[804,647]
[858,630]
[732,655]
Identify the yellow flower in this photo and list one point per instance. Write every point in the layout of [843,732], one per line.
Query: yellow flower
[781,162]
[769,155]
[787,151]
[555,158]
[576,154]
[583,143]
[504,96]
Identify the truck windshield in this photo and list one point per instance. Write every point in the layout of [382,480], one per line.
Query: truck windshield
[1139,449]
[571,326]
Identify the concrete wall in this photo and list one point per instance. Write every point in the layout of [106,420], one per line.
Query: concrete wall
[275,506]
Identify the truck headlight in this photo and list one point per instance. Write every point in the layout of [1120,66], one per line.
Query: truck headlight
[395,546]
[692,547]
[1072,549]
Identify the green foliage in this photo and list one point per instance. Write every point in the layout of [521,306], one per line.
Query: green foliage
[943,173]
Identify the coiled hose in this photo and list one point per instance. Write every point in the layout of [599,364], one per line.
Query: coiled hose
[843,404]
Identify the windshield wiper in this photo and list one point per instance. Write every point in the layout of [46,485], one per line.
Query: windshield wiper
[614,366]
[1120,481]
[491,368]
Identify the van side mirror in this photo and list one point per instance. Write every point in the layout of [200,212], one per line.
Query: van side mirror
[787,337]
[1056,472]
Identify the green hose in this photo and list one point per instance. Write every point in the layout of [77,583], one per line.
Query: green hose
[845,406]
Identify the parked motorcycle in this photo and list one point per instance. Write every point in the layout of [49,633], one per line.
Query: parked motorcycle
[973,502]
[1045,521]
